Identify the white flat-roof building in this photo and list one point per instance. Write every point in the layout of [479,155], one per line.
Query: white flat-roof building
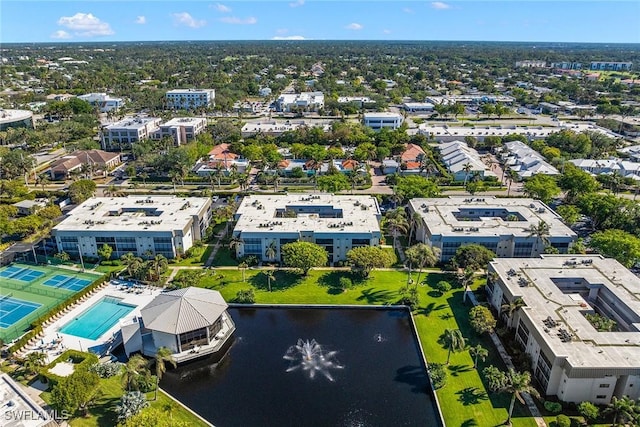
[18,409]
[418,107]
[128,131]
[165,225]
[611,66]
[185,99]
[531,64]
[181,129]
[501,225]
[471,99]
[357,100]
[275,128]
[304,100]
[16,119]
[377,121]
[570,358]
[103,101]
[444,133]
[338,223]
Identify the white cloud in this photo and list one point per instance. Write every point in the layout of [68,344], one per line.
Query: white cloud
[354,26]
[60,34]
[288,38]
[297,3]
[239,21]
[386,31]
[85,24]
[221,8]
[183,18]
[141,20]
[440,5]
[408,10]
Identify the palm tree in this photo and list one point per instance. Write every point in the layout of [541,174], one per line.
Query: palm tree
[136,366]
[43,180]
[512,382]
[243,267]
[271,251]
[622,408]
[271,277]
[174,176]
[144,177]
[163,356]
[509,309]
[478,352]
[541,232]
[134,264]
[414,222]
[421,255]
[467,168]
[454,341]
[158,264]
[397,224]
[35,361]
[235,243]
[465,277]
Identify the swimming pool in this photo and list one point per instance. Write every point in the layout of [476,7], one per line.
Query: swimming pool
[98,318]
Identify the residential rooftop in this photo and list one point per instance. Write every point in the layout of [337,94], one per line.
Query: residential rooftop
[134,123]
[563,288]
[487,216]
[320,212]
[133,213]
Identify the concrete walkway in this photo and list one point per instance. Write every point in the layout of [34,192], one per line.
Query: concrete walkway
[507,361]
[220,236]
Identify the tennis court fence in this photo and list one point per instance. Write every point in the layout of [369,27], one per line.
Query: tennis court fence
[38,291]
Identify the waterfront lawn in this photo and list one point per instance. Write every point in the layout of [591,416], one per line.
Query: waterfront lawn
[102,412]
[465,399]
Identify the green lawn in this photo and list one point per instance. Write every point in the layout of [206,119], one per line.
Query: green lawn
[198,256]
[464,400]
[102,412]
[224,257]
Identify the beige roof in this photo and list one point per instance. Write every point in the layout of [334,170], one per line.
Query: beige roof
[183,310]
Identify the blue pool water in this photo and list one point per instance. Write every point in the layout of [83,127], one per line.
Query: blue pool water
[97,319]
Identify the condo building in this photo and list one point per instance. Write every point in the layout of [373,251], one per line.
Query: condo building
[142,225]
[338,223]
[571,359]
[501,225]
[184,99]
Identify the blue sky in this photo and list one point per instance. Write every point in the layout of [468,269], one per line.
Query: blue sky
[507,20]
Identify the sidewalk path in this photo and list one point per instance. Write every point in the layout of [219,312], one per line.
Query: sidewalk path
[507,361]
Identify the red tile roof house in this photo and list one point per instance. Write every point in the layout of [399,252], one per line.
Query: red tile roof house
[411,158]
[100,162]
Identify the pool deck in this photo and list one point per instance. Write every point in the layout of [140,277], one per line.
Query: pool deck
[54,343]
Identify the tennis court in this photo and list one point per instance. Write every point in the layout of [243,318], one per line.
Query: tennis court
[12,310]
[67,282]
[34,290]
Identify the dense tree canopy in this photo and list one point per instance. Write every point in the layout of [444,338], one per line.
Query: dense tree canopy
[304,256]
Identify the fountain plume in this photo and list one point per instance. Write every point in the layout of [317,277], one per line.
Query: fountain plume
[309,357]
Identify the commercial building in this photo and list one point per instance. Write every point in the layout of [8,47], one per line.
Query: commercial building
[611,66]
[190,322]
[360,101]
[531,64]
[445,133]
[338,223]
[471,99]
[143,225]
[275,128]
[185,99]
[418,107]
[93,161]
[307,101]
[570,358]
[181,129]
[104,102]
[501,225]
[377,121]
[16,119]
[127,131]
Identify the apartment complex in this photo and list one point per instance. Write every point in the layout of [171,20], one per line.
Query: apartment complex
[462,161]
[338,223]
[377,121]
[142,225]
[181,129]
[104,102]
[288,102]
[570,358]
[128,131]
[185,99]
[501,225]
[525,161]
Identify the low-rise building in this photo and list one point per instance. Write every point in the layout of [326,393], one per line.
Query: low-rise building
[377,121]
[611,66]
[190,322]
[95,162]
[531,64]
[185,99]
[526,161]
[181,129]
[445,133]
[471,99]
[501,225]
[127,131]
[15,119]
[308,101]
[142,225]
[623,168]
[360,101]
[418,107]
[104,102]
[276,128]
[462,161]
[222,159]
[338,223]
[570,358]
[28,207]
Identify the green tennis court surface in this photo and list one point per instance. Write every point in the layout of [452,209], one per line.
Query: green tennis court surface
[27,292]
